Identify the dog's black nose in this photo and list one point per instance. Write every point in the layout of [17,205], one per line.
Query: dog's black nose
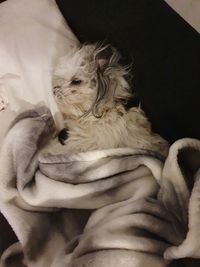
[63,135]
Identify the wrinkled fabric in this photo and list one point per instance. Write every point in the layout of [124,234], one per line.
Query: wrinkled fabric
[115,207]
[33,35]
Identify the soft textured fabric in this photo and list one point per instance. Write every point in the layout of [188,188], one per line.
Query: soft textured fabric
[6,116]
[164,51]
[118,207]
[33,34]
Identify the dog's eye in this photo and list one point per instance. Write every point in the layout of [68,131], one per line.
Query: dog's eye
[57,87]
[75,82]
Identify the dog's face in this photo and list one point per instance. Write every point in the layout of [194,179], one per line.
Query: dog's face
[86,79]
[75,82]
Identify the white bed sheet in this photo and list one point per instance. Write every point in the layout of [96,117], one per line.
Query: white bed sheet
[33,34]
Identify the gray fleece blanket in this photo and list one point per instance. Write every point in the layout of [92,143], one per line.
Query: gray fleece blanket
[117,207]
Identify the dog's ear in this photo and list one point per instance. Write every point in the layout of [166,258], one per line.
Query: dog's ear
[103,56]
[111,85]
[101,64]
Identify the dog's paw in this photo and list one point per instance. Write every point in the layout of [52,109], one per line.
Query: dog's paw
[63,135]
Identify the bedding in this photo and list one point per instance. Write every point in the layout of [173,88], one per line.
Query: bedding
[103,208]
[33,34]
[32,37]
[117,207]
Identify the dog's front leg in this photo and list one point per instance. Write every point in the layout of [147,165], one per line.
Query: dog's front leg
[63,135]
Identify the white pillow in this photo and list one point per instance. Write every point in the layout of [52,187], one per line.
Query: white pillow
[33,35]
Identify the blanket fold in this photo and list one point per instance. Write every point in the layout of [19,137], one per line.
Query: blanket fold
[115,207]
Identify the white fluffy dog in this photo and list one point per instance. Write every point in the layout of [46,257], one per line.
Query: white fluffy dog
[91,91]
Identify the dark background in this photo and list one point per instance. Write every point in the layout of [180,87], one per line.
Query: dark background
[164,50]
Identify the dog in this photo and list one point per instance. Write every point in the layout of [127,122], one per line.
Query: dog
[91,90]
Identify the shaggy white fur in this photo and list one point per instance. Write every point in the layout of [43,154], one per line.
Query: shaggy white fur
[91,91]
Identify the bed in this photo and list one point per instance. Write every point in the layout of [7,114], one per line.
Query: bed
[91,209]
